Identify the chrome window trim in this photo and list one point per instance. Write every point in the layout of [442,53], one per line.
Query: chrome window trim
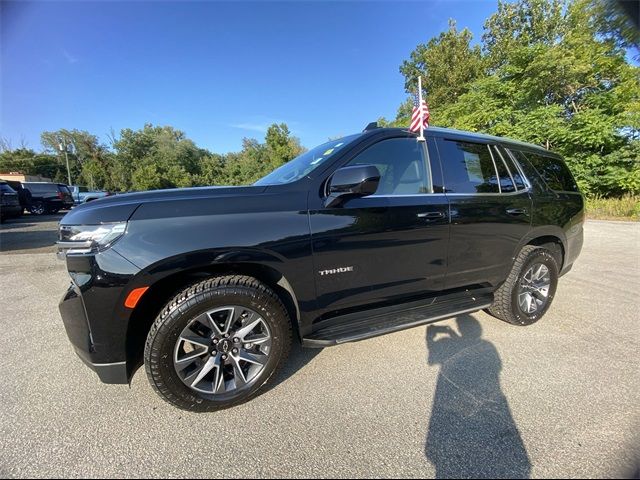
[495,168]
[519,168]
[513,182]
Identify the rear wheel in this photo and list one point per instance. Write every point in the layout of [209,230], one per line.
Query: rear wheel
[37,208]
[217,343]
[527,293]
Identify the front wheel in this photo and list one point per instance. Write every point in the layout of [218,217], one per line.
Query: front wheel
[217,343]
[527,293]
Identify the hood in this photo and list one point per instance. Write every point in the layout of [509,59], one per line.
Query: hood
[120,207]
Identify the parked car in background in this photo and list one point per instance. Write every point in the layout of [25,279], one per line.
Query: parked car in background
[9,202]
[48,197]
[83,194]
[24,195]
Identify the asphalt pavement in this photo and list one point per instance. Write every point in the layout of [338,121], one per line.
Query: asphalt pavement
[480,398]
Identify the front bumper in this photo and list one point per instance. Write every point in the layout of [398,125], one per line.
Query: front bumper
[112,373]
[93,314]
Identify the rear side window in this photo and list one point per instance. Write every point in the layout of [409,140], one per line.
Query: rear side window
[468,167]
[516,176]
[42,187]
[402,166]
[506,182]
[553,171]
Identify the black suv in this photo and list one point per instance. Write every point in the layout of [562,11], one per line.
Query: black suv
[48,197]
[9,202]
[366,235]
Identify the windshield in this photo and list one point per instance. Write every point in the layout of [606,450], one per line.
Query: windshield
[304,164]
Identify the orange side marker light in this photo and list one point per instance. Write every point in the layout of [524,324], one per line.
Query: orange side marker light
[134,297]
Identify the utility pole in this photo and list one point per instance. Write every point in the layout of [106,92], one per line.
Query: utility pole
[63,148]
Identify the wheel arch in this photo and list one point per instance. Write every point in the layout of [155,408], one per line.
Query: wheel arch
[539,236]
[554,244]
[162,289]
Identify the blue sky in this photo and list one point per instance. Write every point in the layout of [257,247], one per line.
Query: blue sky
[218,71]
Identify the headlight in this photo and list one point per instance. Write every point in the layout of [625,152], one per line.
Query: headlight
[89,238]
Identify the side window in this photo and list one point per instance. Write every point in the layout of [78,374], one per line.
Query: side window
[554,172]
[467,167]
[402,166]
[506,182]
[84,189]
[513,169]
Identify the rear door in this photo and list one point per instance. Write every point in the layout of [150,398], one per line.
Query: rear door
[388,246]
[490,211]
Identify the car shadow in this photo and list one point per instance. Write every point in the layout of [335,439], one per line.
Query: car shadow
[299,357]
[471,433]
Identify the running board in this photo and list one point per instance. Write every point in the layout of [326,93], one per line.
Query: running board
[363,325]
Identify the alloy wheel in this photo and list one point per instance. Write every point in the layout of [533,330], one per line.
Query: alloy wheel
[533,291]
[222,350]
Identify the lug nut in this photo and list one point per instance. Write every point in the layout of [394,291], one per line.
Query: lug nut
[215,341]
[236,340]
[226,335]
[235,350]
[224,357]
[247,345]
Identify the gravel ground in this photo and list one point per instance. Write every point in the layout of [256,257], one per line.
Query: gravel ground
[482,398]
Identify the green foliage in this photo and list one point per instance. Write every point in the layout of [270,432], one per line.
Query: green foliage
[447,63]
[554,74]
[151,158]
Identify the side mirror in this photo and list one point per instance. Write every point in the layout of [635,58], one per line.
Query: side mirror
[352,182]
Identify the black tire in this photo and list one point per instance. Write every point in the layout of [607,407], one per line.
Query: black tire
[191,302]
[37,208]
[505,305]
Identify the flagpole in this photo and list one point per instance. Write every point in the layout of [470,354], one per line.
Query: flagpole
[421,137]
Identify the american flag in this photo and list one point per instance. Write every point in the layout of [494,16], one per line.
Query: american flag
[415,116]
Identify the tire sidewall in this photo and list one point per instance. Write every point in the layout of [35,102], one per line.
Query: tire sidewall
[537,256]
[176,319]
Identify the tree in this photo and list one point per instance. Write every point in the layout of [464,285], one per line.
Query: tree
[448,64]
[553,78]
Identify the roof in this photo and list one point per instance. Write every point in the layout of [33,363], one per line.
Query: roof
[470,135]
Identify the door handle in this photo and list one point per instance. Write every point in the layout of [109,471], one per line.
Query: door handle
[431,215]
[517,211]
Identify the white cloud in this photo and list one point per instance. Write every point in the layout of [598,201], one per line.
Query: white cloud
[256,127]
[70,58]
[262,124]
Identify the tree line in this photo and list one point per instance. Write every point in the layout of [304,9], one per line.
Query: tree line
[550,72]
[150,158]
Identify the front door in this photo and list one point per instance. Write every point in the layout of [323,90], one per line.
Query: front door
[387,247]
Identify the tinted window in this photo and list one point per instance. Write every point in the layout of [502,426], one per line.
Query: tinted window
[506,184]
[84,189]
[64,189]
[304,164]
[42,187]
[4,188]
[553,171]
[468,168]
[401,163]
[513,169]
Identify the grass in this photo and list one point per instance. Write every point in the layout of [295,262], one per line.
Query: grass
[624,208]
